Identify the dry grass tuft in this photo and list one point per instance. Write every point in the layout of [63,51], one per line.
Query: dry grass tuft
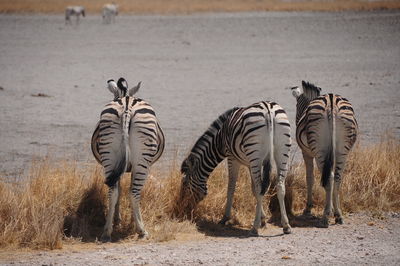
[60,201]
[191,6]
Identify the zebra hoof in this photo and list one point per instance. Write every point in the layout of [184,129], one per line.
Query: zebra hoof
[253,232]
[143,235]
[339,220]
[324,223]
[224,220]
[263,223]
[287,230]
[105,238]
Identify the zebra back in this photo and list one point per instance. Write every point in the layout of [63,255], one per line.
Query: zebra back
[107,140]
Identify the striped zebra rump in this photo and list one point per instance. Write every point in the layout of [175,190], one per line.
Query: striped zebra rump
[115,149]
[326,129]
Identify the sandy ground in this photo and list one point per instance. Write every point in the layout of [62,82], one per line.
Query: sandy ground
[361,240]
[193,68]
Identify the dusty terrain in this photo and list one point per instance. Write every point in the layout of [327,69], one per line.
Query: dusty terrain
[193,68]
[361,240]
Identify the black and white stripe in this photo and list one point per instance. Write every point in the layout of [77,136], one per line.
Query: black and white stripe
[128,138]
[253,136]
[326,130]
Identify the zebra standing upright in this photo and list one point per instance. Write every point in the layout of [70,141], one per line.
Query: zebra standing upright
[326,130]
[128,138]
[109,12]
[76,11]
[253,136]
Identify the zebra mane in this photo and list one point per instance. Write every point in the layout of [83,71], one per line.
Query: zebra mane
[189,163]
[310,91]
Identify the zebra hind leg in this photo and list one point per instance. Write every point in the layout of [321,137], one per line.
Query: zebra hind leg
[336,199]
[138,180]
[328,202]
[258,186]
[113,198]
[309,162]
[263,215]
[281,165]
[117,214]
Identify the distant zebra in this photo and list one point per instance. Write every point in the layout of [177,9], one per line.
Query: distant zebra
[76,11]
[128,138]
[253,136]
[109,13]
[326,130]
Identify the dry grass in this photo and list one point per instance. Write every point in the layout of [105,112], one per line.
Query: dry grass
[190,6]
[61,202]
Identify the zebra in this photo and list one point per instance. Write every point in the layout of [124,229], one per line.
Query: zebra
[326,129]
[109,12]
[253,136]
[128,138]
[76,11]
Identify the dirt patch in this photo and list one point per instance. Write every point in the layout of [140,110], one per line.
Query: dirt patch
[363,239]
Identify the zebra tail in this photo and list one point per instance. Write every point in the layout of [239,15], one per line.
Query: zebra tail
[327,169]
[267,161]
[122,163]
[330,159]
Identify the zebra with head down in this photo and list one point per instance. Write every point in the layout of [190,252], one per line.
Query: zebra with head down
[326,129]
[253,136]
[128,138]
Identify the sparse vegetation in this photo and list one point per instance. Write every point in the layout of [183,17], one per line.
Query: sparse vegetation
[60,201]
[190,6]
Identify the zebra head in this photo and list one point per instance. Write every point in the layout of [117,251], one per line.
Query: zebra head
[120,88]
[296,91]
[304,95]
[193,189]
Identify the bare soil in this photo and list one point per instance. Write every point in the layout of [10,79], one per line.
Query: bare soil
[192,69]
[363,239]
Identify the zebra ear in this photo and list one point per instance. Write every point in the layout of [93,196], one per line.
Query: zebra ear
[123,86]
[185,166]
[296,91]
[135,89]
[112,86]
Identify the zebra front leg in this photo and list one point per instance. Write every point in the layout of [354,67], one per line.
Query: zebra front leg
[138,180]
[309,162]
[233,167]
[113,198]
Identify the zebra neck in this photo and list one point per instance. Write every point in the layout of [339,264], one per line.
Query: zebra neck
[301,106]
[209,153]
